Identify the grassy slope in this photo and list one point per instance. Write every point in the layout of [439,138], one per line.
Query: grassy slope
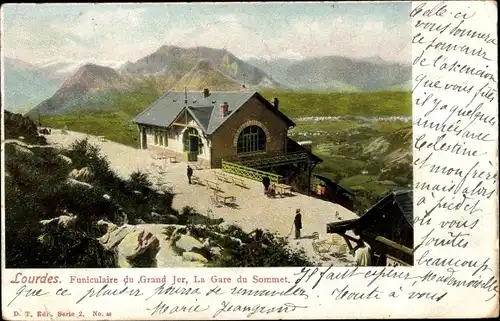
[302,104]
[115,122]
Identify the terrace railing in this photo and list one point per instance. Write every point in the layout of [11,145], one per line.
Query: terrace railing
[266,162]
[248,172]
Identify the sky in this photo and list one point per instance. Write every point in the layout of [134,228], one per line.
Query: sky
[127,32]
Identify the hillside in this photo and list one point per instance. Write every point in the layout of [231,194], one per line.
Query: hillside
[370,104]
[176,62]
[204,75]
[91,84]
[370,158]
[335,73]
[25,85]
[17,125]
[67,208]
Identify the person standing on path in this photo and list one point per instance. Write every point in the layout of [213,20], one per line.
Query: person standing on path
[298,223]
[189,173]
[266,182]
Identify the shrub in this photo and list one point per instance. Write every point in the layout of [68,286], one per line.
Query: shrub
[270,250]
[18,125]
[140,180]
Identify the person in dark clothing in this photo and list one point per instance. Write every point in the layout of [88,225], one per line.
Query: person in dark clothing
[298,223]
[266,182]
[189,173]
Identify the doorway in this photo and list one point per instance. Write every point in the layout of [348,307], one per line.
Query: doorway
[192,144]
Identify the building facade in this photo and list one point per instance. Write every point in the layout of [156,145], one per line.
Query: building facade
[210,127]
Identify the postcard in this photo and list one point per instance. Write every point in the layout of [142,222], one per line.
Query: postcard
[300,160]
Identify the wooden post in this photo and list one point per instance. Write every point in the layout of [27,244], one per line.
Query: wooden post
[309,165]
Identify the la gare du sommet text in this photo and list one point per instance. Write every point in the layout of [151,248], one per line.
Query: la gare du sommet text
[178,280]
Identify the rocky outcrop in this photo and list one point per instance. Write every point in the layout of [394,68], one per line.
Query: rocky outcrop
[22,150]
[194,257]
[152,245]
[75,182]
[84,174]
[63,221]
[138,249]
[64,159]
[111,239]
[188,243]
[106,227]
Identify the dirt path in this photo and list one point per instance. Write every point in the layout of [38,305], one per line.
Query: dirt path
[252,209]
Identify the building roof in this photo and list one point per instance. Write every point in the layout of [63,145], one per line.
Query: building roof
[293,146]
[166,109]
[403,199]
[330,182]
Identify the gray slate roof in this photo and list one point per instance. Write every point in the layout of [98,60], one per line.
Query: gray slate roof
[404,200]
[205,111]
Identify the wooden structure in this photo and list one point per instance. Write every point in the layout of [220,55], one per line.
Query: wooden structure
[326,189]
[249,172]
[387,227]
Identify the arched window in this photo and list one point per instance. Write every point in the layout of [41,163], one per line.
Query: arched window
[251,139]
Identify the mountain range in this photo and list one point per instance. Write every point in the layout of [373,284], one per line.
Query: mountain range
[336,74]
[61,87]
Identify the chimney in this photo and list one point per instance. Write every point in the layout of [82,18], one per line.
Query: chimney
[276,102]
[224,109]
[206,93]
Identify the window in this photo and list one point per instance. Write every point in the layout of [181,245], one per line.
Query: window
[160,138]
[160,134]
[251,139]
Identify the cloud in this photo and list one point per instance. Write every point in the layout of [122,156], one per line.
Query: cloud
[129,33]
[101,24]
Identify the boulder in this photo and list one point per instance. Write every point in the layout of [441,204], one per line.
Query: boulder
[188,243]
[139,221]
[111,239]
[20,137]
[139,249]
[156,216]
[73,174]
[224,226]
[170,219]
[194,257]
[216,251]
[64,159]
[84,174]
[75,182]
[106,196]
[106,227]
[23,150]
[63,221]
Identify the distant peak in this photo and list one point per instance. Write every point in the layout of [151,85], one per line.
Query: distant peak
[91,67]
[166,49]
[204,64]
